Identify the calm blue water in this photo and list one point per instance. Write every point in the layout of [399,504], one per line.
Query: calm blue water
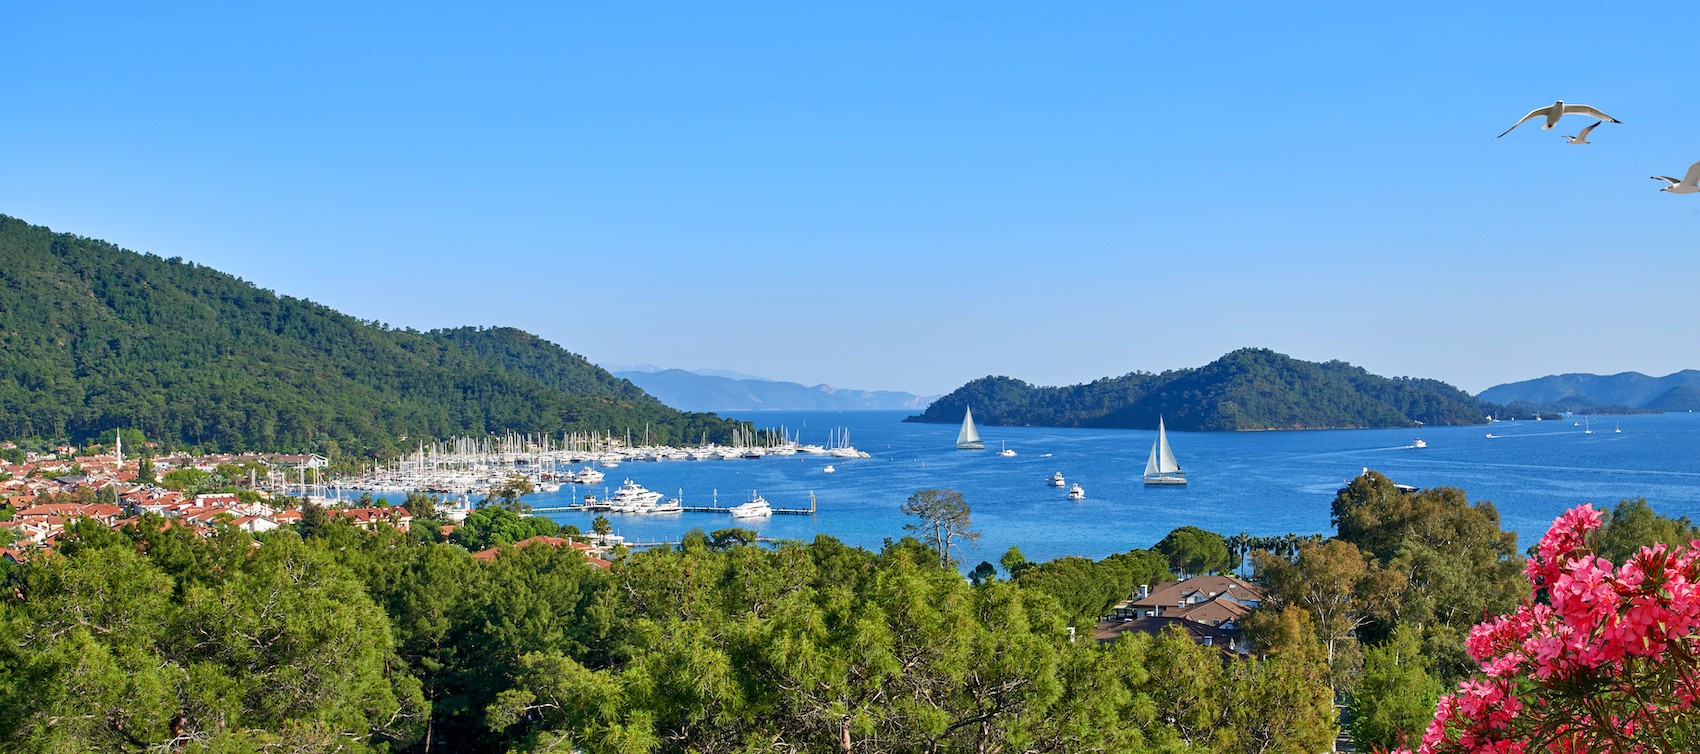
[1255,482]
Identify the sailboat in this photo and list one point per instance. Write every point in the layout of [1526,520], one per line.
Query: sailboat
[969,437]
[1162,468]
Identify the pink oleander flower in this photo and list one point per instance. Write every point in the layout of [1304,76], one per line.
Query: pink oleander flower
[1602,657]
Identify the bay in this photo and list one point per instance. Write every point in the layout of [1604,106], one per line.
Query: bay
[1260,483]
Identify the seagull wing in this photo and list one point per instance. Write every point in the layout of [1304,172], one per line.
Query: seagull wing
[1666,178]
[1588,110]
[1532,113]
[1584,133]
[1693,177]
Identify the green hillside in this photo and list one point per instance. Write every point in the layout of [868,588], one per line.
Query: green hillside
[93,337]
[1249,389]
[1679,398]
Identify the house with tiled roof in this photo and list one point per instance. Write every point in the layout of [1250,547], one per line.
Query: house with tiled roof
[1170,596]
[591,553]
[1208,608]
[366,518]
[255,524]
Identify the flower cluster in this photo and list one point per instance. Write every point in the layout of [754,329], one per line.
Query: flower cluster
[1602,657]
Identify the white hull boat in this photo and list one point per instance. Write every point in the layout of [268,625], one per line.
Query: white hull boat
[1162,468]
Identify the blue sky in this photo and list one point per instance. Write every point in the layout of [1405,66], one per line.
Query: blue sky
[899,196]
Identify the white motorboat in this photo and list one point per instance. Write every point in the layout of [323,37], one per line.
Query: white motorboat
[673,505]
[587,475]
[969,437]
[829,469]
[1076,492]
[1057,480]
[755,508]
[1161,467]
[1419,443]
[631,497]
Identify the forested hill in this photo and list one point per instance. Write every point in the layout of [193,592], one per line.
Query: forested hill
[1249,389]
[93,337]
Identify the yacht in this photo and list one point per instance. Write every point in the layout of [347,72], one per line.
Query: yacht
[674,505]
[969,436]
[587,475]
[1162,468]
[755,508]
[632,498]
[829,469]
[1419,443]
[1076,493]
[1057,480]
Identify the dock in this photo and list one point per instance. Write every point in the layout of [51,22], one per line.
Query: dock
[809,511]
[603,508]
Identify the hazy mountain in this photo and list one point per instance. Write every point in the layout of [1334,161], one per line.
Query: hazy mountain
[93,337]
[1632,389]
[1248,389]
[695,391]
[727,373]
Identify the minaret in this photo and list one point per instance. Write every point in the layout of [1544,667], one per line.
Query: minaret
[119,434]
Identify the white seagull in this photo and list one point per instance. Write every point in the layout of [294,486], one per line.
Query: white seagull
[1581,137]
[1558,110]
[1690,183]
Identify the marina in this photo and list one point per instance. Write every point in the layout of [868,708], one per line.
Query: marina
[1260,483]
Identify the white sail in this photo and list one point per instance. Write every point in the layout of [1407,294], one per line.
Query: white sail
[1166,462]
[969,437]
[1161,467]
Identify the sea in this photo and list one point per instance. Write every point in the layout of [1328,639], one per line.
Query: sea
[1259,483]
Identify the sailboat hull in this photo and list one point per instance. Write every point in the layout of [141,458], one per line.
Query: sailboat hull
[973,445]
[1169,480]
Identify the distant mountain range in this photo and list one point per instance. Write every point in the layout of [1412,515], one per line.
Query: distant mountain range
[1679,391]
[94,338]
[1249,389]
[706,391]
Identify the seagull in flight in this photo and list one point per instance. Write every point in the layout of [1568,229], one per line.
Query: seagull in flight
[1582,137]
[1558,110]
[1690,183]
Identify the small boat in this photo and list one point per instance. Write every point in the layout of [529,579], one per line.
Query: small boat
[1076,493]
[1587,428]
[1005,452]
[1057,480]
[1161,467]
[1419,443]
[1617,430]
[829,469]
[969,437]
[755,508]
[1492,436]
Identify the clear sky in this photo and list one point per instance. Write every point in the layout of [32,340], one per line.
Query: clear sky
[903,195]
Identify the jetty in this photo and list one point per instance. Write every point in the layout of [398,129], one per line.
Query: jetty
[711,508]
